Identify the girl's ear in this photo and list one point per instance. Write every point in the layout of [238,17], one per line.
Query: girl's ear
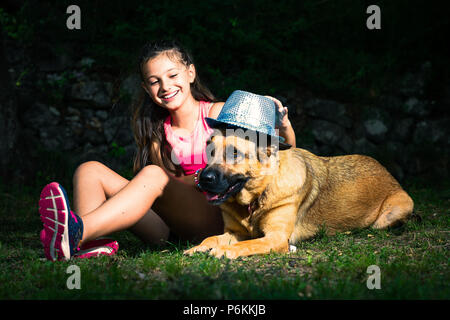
[192,73]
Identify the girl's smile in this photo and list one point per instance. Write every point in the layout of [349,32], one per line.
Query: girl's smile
[169,97]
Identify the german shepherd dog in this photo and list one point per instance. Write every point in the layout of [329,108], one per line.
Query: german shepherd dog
[272,198]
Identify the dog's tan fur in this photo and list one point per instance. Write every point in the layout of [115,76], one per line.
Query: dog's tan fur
[292,194]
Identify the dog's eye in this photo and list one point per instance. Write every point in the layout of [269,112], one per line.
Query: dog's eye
[233,155]
[210,150]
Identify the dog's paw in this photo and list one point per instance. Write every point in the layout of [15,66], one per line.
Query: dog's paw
[224,251]
[195,249]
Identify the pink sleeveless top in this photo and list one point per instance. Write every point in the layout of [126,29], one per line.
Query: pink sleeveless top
[190,151]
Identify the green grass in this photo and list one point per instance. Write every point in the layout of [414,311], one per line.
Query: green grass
[413,260]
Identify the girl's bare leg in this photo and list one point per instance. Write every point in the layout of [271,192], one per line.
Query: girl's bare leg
[181,207]
[108,203]
[151,228]
[187,212]
[94,183]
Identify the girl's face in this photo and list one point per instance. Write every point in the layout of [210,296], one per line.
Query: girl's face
[168,81]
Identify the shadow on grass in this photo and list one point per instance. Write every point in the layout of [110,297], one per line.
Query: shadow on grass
[133,247]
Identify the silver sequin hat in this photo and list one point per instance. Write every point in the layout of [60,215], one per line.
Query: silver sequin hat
[249,111]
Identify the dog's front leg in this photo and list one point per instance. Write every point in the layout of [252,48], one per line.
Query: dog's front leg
[250,247]
[277,226]
[227,238]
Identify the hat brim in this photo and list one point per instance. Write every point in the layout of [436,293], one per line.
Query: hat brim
[217,124]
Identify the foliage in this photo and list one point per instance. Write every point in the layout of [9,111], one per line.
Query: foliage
[259,45]
[18,28]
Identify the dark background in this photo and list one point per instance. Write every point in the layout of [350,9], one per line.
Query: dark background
[65,94]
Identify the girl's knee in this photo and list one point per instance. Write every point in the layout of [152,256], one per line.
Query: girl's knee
[155,173]
[87,169]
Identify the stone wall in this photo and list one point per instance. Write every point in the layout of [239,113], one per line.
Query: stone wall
[75,108]
[93,122]
[405,128]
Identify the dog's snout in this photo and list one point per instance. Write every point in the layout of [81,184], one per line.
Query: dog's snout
[209,176]
[213,180]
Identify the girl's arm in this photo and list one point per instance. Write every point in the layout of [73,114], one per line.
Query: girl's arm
[215,110]
[285,128]
[155,156]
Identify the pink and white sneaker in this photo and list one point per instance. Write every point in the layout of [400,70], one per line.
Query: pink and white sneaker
[97,247]
[63,229]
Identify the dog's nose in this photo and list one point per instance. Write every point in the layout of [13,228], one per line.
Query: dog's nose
[209,177]
[212,180]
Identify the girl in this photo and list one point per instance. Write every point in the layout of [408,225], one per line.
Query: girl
[162,198]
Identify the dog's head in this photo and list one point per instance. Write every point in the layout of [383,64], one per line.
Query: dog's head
[239,168]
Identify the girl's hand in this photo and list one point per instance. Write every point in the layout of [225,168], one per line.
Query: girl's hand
[283,120]
[284,125]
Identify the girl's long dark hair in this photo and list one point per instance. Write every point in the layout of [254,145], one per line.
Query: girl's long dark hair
[148,117]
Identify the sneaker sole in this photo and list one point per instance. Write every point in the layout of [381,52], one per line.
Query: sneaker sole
[54,212]
[100,246]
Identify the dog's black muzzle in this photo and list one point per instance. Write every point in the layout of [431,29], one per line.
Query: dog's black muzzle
[219,187]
